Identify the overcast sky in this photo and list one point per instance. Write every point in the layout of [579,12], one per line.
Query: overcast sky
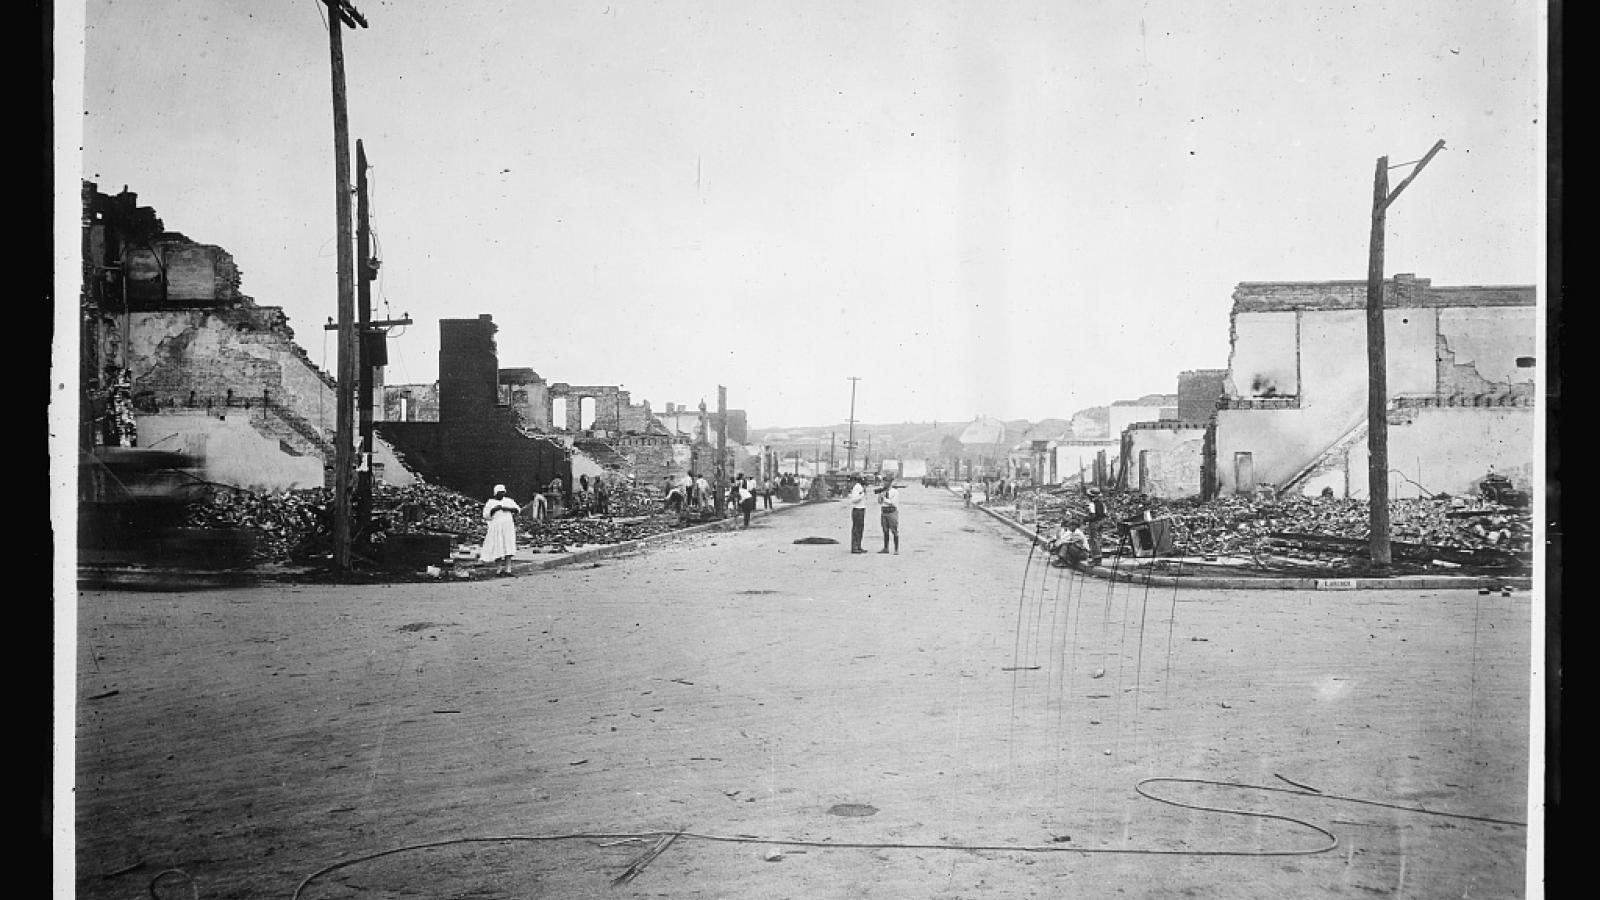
[1012,209]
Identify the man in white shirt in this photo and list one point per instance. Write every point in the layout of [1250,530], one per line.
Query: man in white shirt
[889,509]
[858,513]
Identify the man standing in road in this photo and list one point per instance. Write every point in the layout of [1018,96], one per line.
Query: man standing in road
[889,508]
[1097,514]
[858,513]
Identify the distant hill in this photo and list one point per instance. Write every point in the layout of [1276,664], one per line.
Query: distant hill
[903,439]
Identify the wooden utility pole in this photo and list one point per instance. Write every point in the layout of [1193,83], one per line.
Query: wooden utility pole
[1377,371]
[340,15]
[722,450]
[366,335]
[850,439]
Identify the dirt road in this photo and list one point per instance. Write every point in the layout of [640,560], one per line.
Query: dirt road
[970,723]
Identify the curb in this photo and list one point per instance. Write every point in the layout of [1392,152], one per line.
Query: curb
[604,550]
[1402,582]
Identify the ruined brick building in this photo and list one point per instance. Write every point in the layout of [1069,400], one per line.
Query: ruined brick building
[475,442]
[174,356]
[1171,456]
[1460,381]
[481,424]
[1289,414]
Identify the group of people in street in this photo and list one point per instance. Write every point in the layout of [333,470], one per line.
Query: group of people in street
[888,497]
[591,496]
[693,492]
[688,492]
[1072,544]
[993,489]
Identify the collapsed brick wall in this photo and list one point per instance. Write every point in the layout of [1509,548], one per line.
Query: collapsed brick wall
[1198,392]
[1166,459]
[240,358]
[650,458]
[528,396]
[478,443]
[636,417]
[421,403]
[738,426]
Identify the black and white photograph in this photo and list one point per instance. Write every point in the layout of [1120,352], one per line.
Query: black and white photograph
[472,414]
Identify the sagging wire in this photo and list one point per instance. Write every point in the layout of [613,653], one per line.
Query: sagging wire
[318,5]
[1016,649]
[1140,787]
[1138,663]
[1172,614]
[1406,478]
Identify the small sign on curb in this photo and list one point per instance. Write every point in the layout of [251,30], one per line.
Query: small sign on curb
[1336,584]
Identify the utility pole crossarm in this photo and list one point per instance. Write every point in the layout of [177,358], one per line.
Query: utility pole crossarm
[1384,204]
[346,13]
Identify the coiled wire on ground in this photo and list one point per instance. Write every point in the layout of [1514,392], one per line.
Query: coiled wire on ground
[1332,840]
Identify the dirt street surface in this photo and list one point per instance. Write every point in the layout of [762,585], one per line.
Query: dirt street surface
[955,721]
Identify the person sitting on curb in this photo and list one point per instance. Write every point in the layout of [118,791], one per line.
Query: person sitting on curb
[1070,545]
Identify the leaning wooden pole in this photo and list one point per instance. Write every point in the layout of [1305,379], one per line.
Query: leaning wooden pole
[344,408]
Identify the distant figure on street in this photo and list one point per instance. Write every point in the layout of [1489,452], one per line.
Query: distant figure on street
[557,496]
[702,492]
[1097,514]
[889,515]
[500,543]
[747,499]
[583,497]
[858,513]
[602,496]
[966,492]
[766,495]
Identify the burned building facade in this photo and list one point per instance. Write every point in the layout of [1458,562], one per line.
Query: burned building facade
[483,423]
[1171,455]
[174,356]
[1458,360]
[476,441]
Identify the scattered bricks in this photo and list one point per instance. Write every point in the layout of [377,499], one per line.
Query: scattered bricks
[1461,531]
[290,525]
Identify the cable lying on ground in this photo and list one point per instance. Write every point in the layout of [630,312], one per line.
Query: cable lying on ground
[662,837]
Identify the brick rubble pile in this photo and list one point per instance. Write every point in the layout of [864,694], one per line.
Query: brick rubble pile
[1245,527]
[295,524]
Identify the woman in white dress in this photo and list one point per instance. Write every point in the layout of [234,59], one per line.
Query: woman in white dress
[500,543]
